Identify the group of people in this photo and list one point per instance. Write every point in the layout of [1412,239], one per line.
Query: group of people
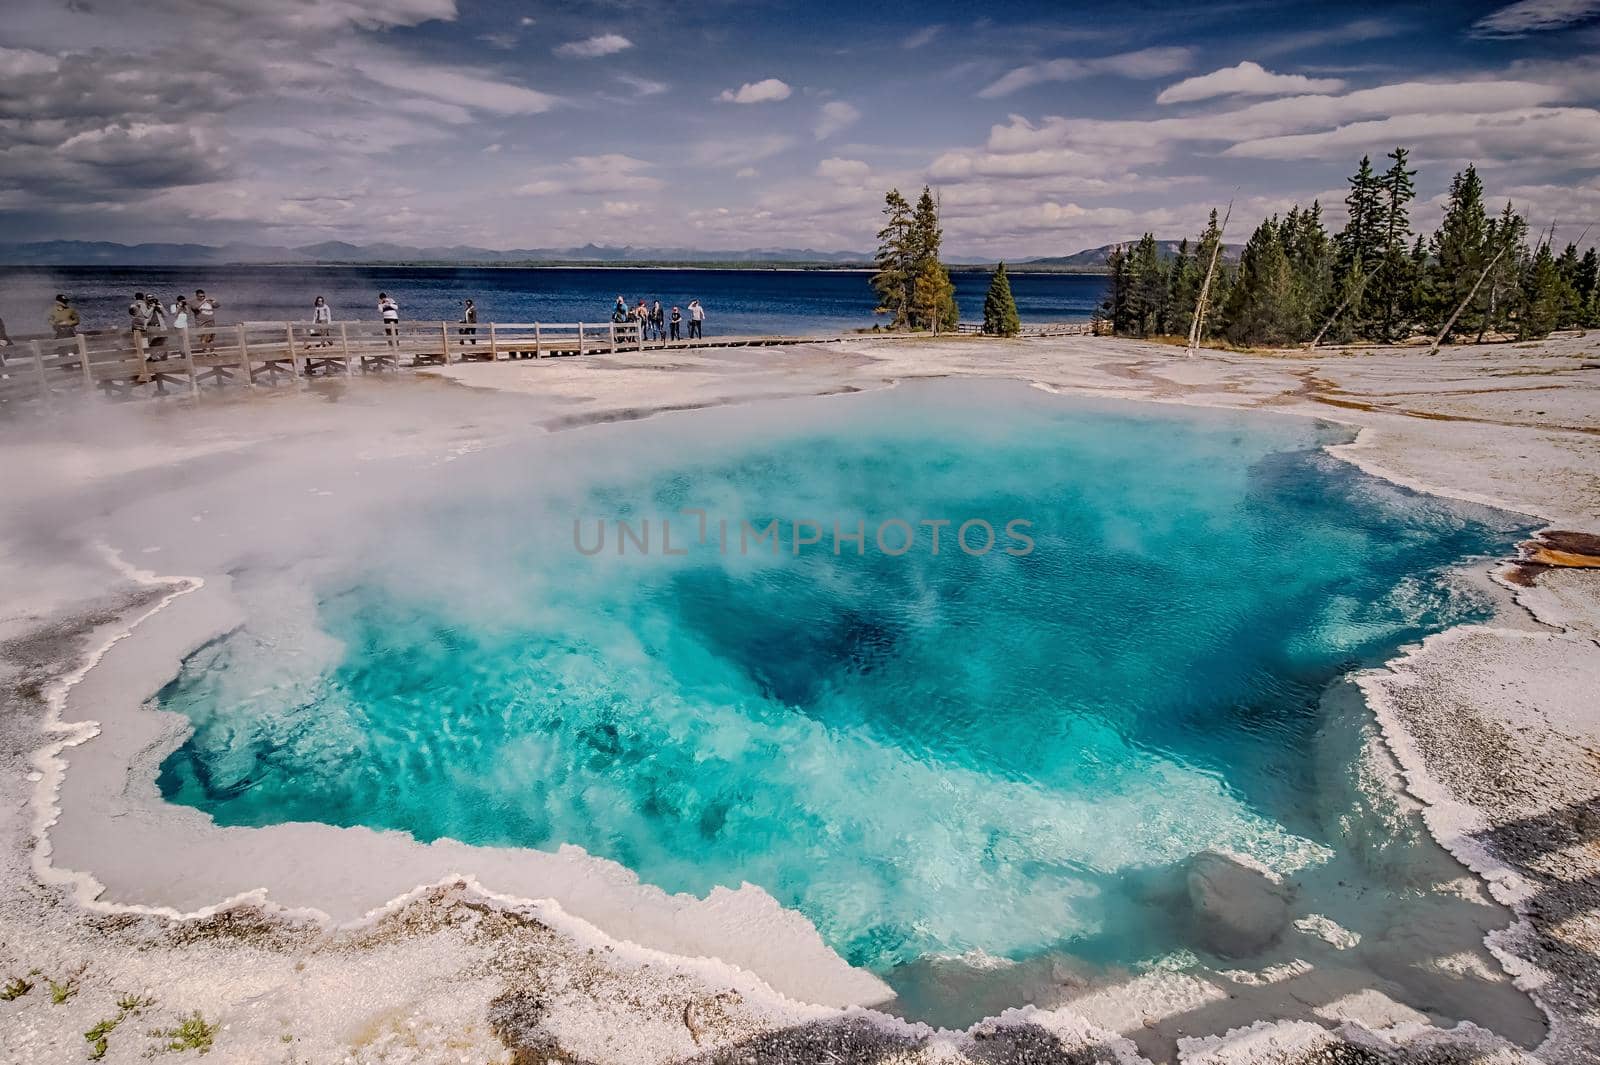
[656,323]
[147,315]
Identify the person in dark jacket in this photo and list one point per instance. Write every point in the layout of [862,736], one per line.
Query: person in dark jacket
[676,321]
[64,318]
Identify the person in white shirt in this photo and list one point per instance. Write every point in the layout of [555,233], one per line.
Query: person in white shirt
[203,309]
[389,311]
[180,313]
[321,315]
[697,317]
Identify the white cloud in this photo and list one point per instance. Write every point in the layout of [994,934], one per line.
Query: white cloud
[1246,79]
[844,171]
[593,175]
[744,173]
[922,37]
[621,209]
[1535,16]
[594,47]
[453,87]
[1567,134]
[769,90]
[735,151]
[643,86]
[835,115]
[1145,63]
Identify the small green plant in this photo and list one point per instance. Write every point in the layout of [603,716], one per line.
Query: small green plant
[63,991]
[99,1037]
[134,1003]
[15,988]
[193,1034]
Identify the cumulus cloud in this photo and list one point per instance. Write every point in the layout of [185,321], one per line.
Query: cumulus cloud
[595,47]
[1535,16]
[1145,63]
[835,115]
[768,90]
[844,171]
[593,175]
[1246,79]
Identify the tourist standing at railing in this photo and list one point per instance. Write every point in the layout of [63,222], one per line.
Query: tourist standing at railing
[157,324]
[469,321]
[63,318]
[180,313]
[619,313]
[697,318]
[676,320]
[658,321]
[204,310]
[138,317]
[321,315]
[389,311]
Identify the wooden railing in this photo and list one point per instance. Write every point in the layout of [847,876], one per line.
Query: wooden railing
[1047,329]
[254,353]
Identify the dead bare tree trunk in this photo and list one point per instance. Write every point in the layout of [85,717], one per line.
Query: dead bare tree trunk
[1197,327]
[1349,298]
[1451,321]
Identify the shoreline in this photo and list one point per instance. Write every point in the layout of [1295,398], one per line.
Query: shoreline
[1362,441]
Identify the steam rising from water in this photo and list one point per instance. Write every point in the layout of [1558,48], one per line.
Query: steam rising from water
[927,755]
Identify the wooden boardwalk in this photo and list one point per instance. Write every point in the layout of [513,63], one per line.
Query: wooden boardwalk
[43,373]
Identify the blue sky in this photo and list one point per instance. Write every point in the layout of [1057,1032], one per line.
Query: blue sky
[1045,127]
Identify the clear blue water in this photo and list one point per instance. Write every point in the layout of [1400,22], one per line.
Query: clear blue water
[927,755]
[736,301]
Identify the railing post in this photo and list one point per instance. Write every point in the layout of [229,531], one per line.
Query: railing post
[188,363]
[142,350]
[538,343]
[613,338]
[38,369]
[580,338]
[444,334]
[83,356]
[294,363]
[639,329]
[344,346]
[244,358]
[494,353]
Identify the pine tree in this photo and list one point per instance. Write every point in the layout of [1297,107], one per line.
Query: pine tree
[1544,296]
[1392,279]
[999,307]
[1460,253]
[1310,254]
[1119,295]
[1567,264]
[1183,288]
[933,299]
[1221,283]
[1501,290]
[1588,289]
[895,260]
[1148,278]
[1260,307]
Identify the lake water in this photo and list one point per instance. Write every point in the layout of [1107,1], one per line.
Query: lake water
[930,754]
[786,302]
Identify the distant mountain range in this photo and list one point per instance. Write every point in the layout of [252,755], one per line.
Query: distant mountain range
[1099,258]
[338,252]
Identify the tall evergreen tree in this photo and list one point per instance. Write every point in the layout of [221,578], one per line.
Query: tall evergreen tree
[1221,282]
[1460,253]
[1311,265]
[999,307]
[1183,288]
[1544,296]
[1588,288]
[1260,307]
[1501,291]
[1392,281]
[895,260]
[1148,278]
